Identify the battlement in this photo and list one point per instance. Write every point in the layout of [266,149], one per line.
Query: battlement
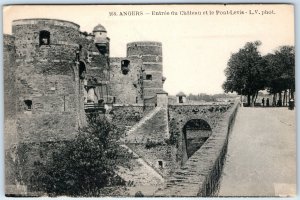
[45,21]
[142,48]
[144,43]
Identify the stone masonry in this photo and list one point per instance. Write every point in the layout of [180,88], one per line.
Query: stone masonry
[55,75]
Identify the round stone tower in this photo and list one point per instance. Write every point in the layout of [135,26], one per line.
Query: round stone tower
[47,80]
[151,55]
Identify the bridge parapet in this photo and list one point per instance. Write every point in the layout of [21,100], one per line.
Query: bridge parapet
[210,112]
[199,176]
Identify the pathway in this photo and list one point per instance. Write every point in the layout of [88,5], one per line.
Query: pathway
[261,157]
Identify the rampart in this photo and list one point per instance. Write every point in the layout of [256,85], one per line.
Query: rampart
[56,75]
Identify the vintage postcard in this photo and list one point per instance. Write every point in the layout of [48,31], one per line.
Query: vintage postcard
[149,100]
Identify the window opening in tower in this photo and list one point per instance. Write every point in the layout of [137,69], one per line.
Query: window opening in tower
[44,37]
[148,77]
[28,104]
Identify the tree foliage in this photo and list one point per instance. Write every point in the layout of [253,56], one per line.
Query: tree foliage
[281,70]
[201,97]
[248,72]
[85,165]
[209,98]
[244,73]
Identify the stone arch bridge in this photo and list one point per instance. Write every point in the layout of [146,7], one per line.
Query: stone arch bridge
[183,143]
[182,115]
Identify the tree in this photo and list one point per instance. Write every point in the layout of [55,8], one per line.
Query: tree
[85,165]
[201,97]
[280,71]
[244,72]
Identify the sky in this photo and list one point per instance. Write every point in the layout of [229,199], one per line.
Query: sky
[196,48]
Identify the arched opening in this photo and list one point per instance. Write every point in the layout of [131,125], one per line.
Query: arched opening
[125,66]
[195,132]
[44,37]
[82,70]
[180,99]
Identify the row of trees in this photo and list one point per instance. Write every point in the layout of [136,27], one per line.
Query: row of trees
[207,97]
[248,72]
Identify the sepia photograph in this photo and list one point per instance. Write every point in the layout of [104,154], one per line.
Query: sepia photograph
[152,100]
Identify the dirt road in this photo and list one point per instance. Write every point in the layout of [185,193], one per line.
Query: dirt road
[261,157]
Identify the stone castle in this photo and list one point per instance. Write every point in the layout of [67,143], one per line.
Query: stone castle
[55,75]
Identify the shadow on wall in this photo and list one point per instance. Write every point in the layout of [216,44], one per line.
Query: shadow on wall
[195,134]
